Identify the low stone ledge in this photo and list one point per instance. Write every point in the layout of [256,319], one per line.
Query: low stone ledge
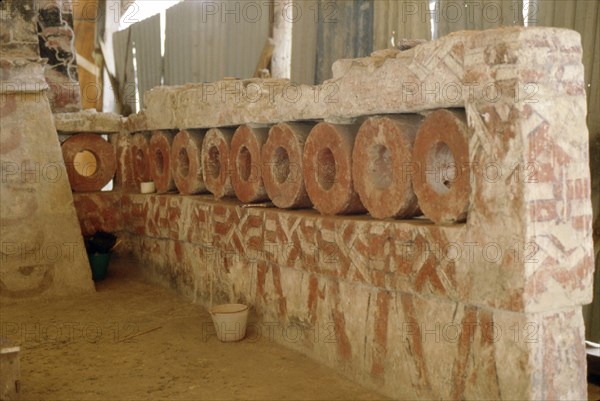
[413,256]
[407,346]
[88,121]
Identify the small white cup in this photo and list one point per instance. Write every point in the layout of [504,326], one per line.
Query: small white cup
[147,187]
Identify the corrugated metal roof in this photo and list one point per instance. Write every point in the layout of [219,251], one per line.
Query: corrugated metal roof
[124,70]
[345,31]
[207,40]
[204,41]
[146,38]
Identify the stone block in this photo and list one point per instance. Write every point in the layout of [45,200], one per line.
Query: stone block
[88,121]
[282,166]
[215,162]
[90,160]
[442,176]
[160,161]
[382,166]
[527,131]
[140,154]
[328,169]
[186,166]
[42,248]
[126,178]
[245,163]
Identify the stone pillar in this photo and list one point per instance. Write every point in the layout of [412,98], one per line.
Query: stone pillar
[295,30]
[42,247]
[530,197]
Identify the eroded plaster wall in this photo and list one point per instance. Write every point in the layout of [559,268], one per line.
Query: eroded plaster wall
[42,250]
[395,306]
[56,42]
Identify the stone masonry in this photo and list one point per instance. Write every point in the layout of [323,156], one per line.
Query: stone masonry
[56,42]
[42,251]
[488,307]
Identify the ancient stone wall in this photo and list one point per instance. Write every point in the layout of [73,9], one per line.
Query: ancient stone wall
[480,299]
[42,252]
[56,42]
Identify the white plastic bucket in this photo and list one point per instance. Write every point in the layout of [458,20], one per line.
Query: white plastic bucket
[230,321]
[147,187]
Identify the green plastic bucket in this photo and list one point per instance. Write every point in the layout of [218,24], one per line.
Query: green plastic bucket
[99,265]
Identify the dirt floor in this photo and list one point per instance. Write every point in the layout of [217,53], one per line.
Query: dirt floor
[594,390]
[133,340]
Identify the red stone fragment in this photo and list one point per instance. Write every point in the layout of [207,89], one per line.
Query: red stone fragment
[160,161]
[382,166]
[244,162]
[87,178]
[185,162]
[215,162]
[442,182]
[328,169]
[282,165]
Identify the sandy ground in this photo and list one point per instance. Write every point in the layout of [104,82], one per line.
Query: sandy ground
[135,341]
[594,391]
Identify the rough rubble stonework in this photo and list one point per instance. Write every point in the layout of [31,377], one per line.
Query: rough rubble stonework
[487,309]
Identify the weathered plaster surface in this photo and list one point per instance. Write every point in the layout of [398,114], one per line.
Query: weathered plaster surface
[480,310]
